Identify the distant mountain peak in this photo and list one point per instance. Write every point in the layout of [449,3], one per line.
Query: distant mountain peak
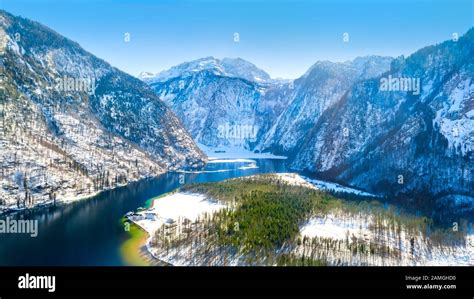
[365,66]
[145,75]
[229,67]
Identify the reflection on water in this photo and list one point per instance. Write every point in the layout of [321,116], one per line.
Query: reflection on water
[88,232]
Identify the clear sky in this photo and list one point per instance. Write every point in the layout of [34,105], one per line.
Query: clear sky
[283,37]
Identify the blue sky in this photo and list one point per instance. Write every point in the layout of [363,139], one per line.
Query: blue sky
[283,37]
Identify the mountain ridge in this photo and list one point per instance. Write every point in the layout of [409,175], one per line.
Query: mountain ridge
[304,124]
[337,121]
[229,67]
[92,125]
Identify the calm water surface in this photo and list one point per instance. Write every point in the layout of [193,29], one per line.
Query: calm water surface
[88,232]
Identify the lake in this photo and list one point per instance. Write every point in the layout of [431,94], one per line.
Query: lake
[89,232]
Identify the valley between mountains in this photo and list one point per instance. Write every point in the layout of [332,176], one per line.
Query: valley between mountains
[378,174]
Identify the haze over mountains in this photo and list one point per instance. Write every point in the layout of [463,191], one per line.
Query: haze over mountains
[335,121]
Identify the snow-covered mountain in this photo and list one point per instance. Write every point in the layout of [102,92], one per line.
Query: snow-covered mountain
[312,94]
[145,76]
[221,102]
[228,67]
[343,121]
[71,124]
[415,139]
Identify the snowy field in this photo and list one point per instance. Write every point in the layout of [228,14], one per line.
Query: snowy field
[334,227]
[169,210]
[174,207]
[230,160]
[414,248]
[235,153]
[298,180]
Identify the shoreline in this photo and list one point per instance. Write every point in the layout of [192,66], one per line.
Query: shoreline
[12,209]
[144,242]
[134,251]
[46,204]
[229,152]
[175,201]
